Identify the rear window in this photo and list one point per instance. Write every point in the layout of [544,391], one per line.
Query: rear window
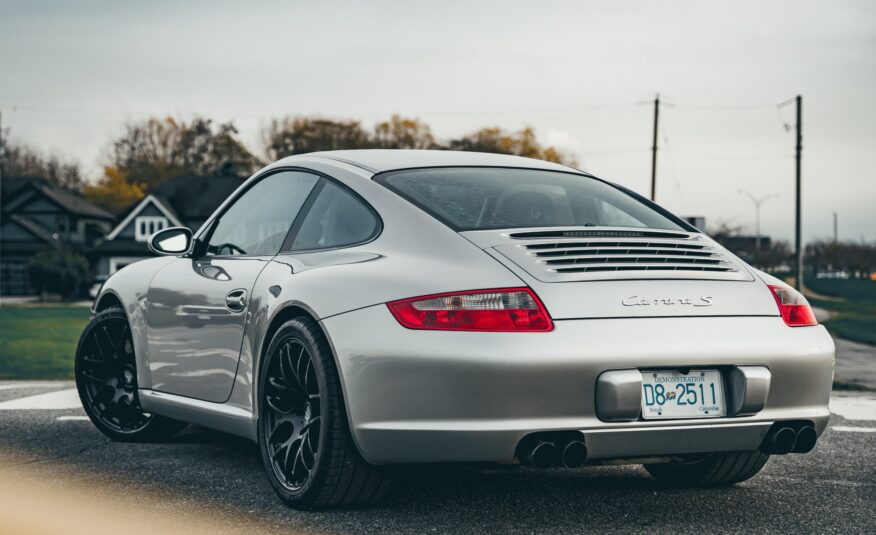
[498,198]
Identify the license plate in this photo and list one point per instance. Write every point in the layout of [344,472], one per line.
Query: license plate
[668,394]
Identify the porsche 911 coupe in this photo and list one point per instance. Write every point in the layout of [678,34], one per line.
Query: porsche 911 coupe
[353,310]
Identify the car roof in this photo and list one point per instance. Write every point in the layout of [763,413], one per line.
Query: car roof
[380,160]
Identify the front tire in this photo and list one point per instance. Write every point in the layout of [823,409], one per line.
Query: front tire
[714,471]
[106,379]
[303,434]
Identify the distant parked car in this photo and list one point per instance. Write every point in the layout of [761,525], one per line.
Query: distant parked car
[357,309]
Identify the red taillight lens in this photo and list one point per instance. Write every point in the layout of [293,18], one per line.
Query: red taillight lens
[793,307]
[496,310]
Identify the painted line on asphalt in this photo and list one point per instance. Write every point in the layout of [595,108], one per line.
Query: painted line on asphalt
[23,384]
[850,429]
[62,399]
[72,418]
[854,408]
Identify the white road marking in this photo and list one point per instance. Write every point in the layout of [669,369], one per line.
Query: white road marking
[71,418]
[854,408]
[24,384]
[62,399]
[851,429]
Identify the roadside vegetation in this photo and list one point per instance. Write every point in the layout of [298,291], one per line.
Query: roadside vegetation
[853,302]
[38,342]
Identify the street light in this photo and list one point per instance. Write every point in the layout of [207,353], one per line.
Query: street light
[757,204]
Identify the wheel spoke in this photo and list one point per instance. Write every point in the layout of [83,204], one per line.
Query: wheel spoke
[91,360]
[274,403]
[277,384]
[96,338]
[123,337]
[298,456]
[296,382]
[312,454]
[293,415]
[308,369]
[92,377]
[281,432]
[311,423]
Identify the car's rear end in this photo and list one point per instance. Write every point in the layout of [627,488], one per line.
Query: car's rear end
[632,337]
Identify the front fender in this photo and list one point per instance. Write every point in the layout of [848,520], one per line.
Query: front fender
[129,285]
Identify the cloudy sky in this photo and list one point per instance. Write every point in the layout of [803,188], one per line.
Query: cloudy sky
[581,73]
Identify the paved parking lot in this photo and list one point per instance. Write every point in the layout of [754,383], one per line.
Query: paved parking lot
[44,435]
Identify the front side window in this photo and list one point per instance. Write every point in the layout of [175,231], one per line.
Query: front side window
[337,219]
[258,221]
[498,198]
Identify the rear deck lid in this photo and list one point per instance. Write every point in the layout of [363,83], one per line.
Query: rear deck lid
[610,272]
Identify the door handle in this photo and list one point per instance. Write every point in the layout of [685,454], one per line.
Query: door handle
[235,300]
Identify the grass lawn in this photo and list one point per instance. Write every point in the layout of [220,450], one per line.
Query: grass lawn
[853,301]
[39,342]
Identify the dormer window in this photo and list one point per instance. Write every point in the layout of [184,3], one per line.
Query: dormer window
[145,226]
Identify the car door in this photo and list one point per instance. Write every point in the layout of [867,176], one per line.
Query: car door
[197,306]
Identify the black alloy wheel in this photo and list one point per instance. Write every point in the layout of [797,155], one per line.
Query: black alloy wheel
[293,414]
[303,432]
[106,378]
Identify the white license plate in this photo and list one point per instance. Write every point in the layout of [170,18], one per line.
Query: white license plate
[668,394]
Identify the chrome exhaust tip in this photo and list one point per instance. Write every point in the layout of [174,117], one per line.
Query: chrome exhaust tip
[782,441]
[574,454]
[539,454]
[806,439]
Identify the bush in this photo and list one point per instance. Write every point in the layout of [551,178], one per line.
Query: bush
[58,272]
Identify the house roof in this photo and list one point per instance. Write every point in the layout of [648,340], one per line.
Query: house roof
[131,213]
[66,199]
[195,197]
[182,199]
[35,228]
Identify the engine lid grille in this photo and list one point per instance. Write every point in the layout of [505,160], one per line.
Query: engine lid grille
[604,254]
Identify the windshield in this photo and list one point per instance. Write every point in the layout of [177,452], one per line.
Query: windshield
[494,198]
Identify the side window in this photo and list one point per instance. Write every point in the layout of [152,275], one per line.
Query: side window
[336,219]
[258,221]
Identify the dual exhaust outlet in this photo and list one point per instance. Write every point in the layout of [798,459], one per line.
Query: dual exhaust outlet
[784,438]
[547,452]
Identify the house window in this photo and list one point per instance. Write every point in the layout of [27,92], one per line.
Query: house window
[146,226]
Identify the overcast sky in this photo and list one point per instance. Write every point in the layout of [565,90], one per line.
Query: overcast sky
[71,74]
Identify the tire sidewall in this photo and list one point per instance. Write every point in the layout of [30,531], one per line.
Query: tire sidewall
[298,330]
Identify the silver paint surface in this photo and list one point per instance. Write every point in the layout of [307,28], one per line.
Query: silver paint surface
[429,396]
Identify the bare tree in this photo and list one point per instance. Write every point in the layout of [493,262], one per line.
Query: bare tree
[152,151]
[20,160]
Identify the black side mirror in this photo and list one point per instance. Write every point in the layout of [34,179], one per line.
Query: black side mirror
[172,241]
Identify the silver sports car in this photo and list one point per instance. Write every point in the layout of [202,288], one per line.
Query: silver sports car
[353,310]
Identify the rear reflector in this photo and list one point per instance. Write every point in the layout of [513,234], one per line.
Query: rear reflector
[494,310]
[793,307]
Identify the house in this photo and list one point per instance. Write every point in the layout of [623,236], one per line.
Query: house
[184,200]
[38,215]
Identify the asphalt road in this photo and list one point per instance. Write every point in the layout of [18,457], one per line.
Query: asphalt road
[832,489]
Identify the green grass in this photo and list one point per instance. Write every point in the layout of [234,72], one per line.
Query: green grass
[39,342]
[853,301]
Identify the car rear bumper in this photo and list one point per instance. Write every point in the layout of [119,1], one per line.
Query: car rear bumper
[435,396]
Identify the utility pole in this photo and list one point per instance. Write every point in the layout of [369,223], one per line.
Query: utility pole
[757,204]
[654,149]
[835,228]
[798,238]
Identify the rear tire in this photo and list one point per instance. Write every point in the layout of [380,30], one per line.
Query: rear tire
[714,471]
[106,379]
[303,434]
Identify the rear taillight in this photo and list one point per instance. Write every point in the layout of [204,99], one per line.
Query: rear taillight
[793,307]
[496,310]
